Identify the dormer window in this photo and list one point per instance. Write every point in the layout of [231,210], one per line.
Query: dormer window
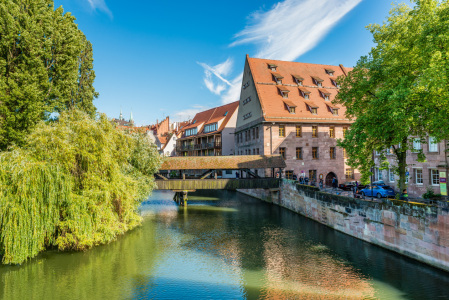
[312,108]
[291,107]
[325,94]
[277,78]
[318,81]
[272,67]
[335,111]
[225,114]
[330,72]
[298,79]
[304,93]
[335,83]
[284,91]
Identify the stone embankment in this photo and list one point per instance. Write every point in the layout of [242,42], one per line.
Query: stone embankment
[415,230]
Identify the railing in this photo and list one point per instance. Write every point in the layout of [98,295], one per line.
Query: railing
[214,184]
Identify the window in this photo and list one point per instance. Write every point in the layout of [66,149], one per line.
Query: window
[246,85]
[292,110]
[257,151]
[246,136]
[344,131]
[326,97]
[246,100]
[298,131]
[306,96]
[314,110]
[379,174]
[225,114]
[349,173]
[434,177]
[391,175]
[315,153]
[332,132]
[191,131]
[249,134]
[312,175]
[390,151]
[416,145]
[433,146]
[289,174]
[272,67]
[406,177]
[332,153]
[330,72]
[247,116]
[254,151]
[257,132]
[282,130]
[282,152]
[210,127]
[334,111]
[345,155]
[418,176]
[299,153]
[314,131]
[335,83]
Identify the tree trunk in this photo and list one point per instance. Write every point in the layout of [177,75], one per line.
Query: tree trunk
[401,156]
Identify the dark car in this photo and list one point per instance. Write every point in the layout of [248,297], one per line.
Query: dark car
[347,186]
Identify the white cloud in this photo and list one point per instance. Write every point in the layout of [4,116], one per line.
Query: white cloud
[217,83]
[285,32]
[188,114]
[292,27]
[101,6]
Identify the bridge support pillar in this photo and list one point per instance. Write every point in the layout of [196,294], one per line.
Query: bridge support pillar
[181,198]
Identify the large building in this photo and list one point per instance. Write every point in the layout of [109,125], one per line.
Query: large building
[210,132]
[286,108]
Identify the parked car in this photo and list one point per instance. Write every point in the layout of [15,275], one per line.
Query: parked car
[347,186]
[379,191]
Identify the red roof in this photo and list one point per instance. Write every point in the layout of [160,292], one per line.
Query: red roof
[213,115]
[272,102]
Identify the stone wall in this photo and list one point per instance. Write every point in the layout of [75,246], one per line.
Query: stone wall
[414,230]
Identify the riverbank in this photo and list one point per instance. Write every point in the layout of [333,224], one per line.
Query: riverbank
[414,230]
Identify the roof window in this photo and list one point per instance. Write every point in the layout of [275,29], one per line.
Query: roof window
[194,121]
[291,107]
[330,72]
[318,81]
[225,114]
[304,93]
[246,100]
[246,85]
[284,91]
[313,108]
[325,94]
[335,83]
[272,67]
[247,116]
[277,78]
[298,79]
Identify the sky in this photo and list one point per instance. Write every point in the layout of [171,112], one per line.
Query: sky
[176,58]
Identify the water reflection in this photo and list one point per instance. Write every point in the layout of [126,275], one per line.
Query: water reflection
[224,246]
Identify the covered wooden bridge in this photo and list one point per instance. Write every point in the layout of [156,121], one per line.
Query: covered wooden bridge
[207,171]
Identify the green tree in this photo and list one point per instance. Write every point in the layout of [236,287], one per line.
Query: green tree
[46,66]
[76,183]
[392,94]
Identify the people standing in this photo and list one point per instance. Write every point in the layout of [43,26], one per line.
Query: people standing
[404,195]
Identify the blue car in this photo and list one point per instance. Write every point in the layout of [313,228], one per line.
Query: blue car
[379,191]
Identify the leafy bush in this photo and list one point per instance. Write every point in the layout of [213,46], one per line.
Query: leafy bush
[429,194]
[76,183]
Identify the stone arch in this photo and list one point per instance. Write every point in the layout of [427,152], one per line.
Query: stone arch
[329,177]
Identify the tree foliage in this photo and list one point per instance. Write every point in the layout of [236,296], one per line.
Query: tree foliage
[46,66]
[396,93]
[74,184]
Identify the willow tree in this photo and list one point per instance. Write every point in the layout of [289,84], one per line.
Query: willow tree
[393,94]
[46,66]
[75,183]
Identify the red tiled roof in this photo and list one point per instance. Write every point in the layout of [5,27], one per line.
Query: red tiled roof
[289,103]
[272,102]
[214,115]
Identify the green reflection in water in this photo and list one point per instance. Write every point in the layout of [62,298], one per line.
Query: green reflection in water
[234,247]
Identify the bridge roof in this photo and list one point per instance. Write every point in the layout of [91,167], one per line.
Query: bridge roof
[232,162]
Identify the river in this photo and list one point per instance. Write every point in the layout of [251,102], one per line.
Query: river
[224,245]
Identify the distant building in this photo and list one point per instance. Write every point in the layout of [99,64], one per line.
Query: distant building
[210,133]
[122,122]
[285,108]
[421,175]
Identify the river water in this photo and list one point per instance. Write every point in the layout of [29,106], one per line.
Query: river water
[224,245]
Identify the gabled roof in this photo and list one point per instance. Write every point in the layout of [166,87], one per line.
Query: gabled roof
[213,115]
[272,103]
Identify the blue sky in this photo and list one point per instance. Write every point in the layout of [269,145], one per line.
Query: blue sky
[175,58]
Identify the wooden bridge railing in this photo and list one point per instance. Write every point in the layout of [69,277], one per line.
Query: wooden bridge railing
[217,184]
